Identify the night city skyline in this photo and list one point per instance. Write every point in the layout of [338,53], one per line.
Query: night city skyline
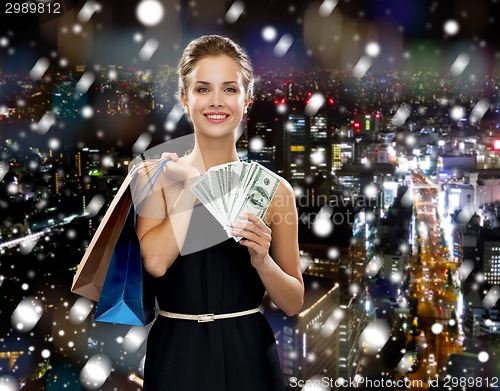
[384,118]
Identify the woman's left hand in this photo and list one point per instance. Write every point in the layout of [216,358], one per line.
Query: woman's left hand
[256,235]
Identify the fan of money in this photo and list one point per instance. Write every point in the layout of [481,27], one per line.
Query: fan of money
[233,188]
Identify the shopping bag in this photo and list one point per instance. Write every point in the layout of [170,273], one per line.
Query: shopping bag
[91,271]
[125,297]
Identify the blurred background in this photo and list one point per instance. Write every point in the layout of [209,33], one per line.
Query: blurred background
[382,114]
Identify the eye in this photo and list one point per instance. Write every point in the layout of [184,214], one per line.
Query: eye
[230,89]
[202,89]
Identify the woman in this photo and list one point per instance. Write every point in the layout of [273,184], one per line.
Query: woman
[238,352]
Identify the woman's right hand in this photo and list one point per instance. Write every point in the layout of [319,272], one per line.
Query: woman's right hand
[177,171]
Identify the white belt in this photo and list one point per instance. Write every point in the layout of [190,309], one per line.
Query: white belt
[205,317]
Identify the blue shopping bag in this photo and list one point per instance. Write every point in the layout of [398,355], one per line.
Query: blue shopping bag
[127,295]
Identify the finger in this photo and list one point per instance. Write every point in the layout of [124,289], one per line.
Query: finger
[170,155]
[257,229]
[256,220]
[260,238]
[169,161]
[245,234]
[246,225]
[252,246]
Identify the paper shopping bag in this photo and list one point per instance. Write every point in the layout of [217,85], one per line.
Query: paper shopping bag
[125,297]
[91,272]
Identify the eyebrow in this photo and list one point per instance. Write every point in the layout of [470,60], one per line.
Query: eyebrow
[208,83]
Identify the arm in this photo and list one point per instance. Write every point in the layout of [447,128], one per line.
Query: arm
[163,221]
[280,273]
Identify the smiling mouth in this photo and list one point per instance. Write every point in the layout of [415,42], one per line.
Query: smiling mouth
[216,117]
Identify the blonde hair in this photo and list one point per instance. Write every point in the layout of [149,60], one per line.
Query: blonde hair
[210,46]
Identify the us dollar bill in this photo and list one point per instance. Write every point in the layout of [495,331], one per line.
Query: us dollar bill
[236,187]
[256,194]
[219,190]
[238,172]
[202,188]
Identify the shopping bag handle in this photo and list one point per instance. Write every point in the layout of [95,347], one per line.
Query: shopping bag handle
[152,179]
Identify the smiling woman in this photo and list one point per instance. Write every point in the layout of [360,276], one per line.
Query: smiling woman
[210,334]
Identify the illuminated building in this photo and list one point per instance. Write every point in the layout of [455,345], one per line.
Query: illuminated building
[455,166]
[350,329]
[342,152]
[478,320]
[458,196]
[264,131]
[489,252]
[308,342]
[366,123]
[284,138]
[488,187]
[11,356]
[298,147]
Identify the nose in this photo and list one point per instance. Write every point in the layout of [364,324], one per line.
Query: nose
[216,99]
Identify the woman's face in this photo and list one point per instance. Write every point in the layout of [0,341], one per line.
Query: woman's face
[216,99]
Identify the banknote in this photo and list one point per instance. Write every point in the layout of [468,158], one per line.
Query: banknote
[256,195]
[237,187]
[203,190]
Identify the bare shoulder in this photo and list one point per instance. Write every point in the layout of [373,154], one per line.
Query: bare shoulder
[283,202]
[285,188]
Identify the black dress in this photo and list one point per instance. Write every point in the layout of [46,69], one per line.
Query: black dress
[237,354]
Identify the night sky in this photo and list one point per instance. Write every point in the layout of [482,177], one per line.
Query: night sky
[332,37]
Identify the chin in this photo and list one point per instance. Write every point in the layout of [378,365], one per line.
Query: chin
[217,133]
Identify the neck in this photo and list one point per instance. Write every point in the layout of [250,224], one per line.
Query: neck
[209,152]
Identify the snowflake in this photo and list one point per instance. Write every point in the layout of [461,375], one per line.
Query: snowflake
[451,27]
[269,33]
[40,68]
[149,48]
[234,12]
[150,12]
[283,45]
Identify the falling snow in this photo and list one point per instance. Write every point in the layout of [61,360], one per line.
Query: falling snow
[95,205]
[283,45]
[234,12]
[95,372]
[459,65]
[362,66]
[85,82]
[149,49]
[451,27]
[374,336]
[150,12]
[269,33]
[256,144]
[88,10]
[40,68]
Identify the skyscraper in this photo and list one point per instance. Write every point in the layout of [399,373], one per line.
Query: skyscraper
[285,138]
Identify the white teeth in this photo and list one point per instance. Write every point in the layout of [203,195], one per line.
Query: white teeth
[216,117]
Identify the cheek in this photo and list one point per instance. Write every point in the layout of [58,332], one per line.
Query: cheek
[240,103]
